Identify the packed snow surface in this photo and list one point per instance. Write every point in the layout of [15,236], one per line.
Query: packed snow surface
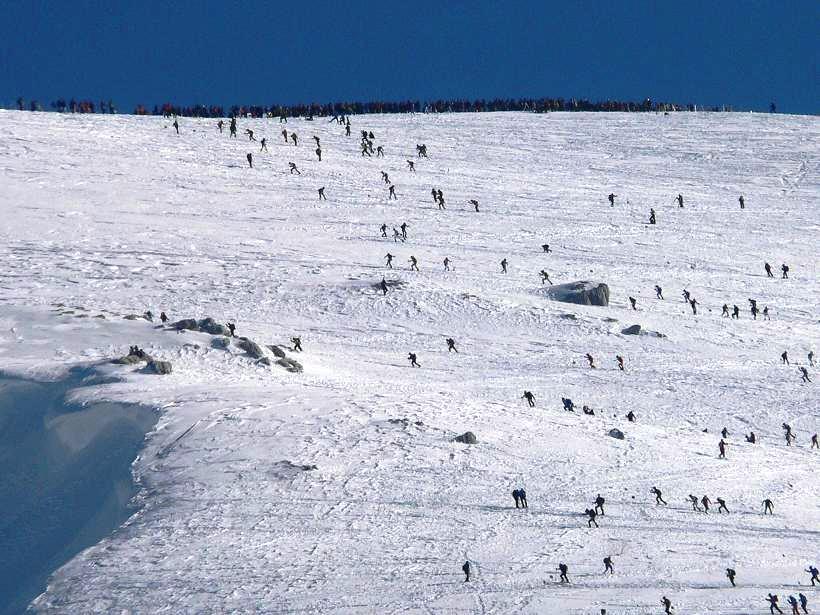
[110,216]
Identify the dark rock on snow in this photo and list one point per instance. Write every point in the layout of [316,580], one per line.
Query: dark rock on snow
[467,438]
[251,347]
[617,434]
[582,293]
[632,330]
[159,367]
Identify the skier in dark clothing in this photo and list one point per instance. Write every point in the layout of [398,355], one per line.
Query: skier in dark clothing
[725,313]
[530,398]
[608,565]
[294,138]
[772,598]
[249,132]
[293,168]
[814,443]
[722,449]
[630,417]
[667,605]
[785,269]
[768,269]
[515,497]
[451,345]
[815,575]
[319,153]
[599,504]
[679,199]
[730,573]
[568,405]
[652,219]
[804,603]
[694,304]
[705,501]
[804,374]
[562,568]
[504,266]
[722,506]
[735,312]
[694,500]
[591,360]
[163,317]
[176,125]
[784,358]
[297,344]
[658,292]
[545,277]
[546,248]
[412,358]
[389,258]
[383,286]
[446,262]
[249,156]
[391,193]
[768,507]
[466,569]
[474,203]
[232,329]
[285,135]
[591,514]
[322,196]
[793,603]
[620,361]
[742,202]
[611,199]
[522,496]
[264,144]
[632,301]
[686,295]
[412,166]
[724,433]
[414,265]
[811,357]
[232,127]
[658,496]
[751,438]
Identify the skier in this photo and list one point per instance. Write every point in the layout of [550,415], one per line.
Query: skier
[163,317]
[722,448]
[545,277]
[667,605]
[293,168]
[568,405]
[562,568]
[658,292]
[611,199]
[546,248]
[694,500]
[249,132]
[391,193]
[620,361]
[772,598]
[412,358]
[784,358]
[504,266]
[466,569]
[805,374]
[414,265]
[679,199]
[724,433]
[474,203]
[322,194]
[232,328]
[379,151]
[599,504]
[705,501]
[768,269]
[383,286]
[652,216]
[297,344]
[766,313]
[811,358]
[412,166]
[785,269]
[742,202]
[530,398]
[768,507]
[319,153]
[176,125]
[515,497]
[397,236]
[232,127]
[389,258]
[815,575]
[385,177]
[590,360]
[722,506]
[632,300]
[793,603]
[451,345]
[440,196]
[686,295]
[730,573]
[658,496]
[294,138]
[591,514]
[608,565]
[814,443]
[446,264]
[522,496]
[285,135]
[751,438]
[804,603]
[735,312]
[219,125]
[725,313]
[694,304]
[249,156]
[630,417]
[264,144]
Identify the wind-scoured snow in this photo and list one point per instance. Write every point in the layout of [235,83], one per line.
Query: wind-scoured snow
[110,216]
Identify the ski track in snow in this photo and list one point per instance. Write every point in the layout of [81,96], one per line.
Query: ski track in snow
[111,215]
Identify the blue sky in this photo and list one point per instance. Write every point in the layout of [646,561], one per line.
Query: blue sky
[745,54]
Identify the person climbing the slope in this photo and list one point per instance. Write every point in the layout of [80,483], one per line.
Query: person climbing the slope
[530,398]
[658,496]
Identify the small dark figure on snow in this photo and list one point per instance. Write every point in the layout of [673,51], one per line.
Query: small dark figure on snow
[679,199]
[404,226]
[546,248]
[249,156]
[686,295]
[695,504]
[176,125]
[620,361]
[633,301]
[599,504]
[658,292]
[804,374]
[412,166]
[784,358]
[391,193]
[446,264]
[522,497]
[724,433]
[383,229]
[785,269]
[568,405]
[630,417]
[474,203]
[652,219]
[293,168]
[793,603]
[297,344]
[530,398]
[264,144]
[451,345]
[232,328]
[383,286]
[412,358]
[466,569]
[730,574]
[658,496]
[742,202]
[322,196]
[751,438]
[768,269]
[590,360]
[389,258]
[772,599]
[815,575]
[722,449]
[545,277]
[735,312]
[608,565]
[249,132]
[694,304]
[667,605]
[611,199]
[768,507]
[814,443]
[562,568]
[414,265]
[163,317]
[705,501]
[592,515]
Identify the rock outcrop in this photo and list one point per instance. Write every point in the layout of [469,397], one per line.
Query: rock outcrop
[582,293]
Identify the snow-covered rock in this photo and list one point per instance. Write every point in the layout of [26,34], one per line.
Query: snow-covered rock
[583,293]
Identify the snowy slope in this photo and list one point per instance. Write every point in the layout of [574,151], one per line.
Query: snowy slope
[116,215]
